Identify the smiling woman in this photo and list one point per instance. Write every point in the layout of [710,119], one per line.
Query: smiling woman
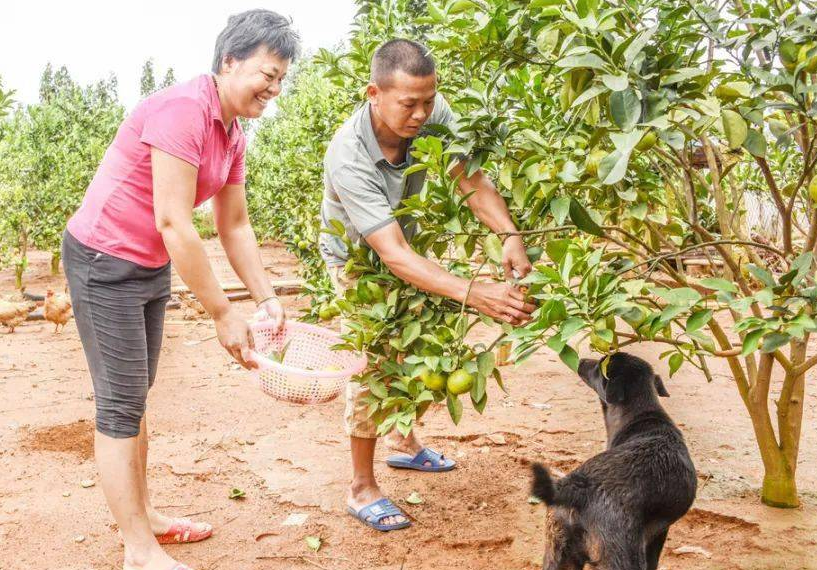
[178,148]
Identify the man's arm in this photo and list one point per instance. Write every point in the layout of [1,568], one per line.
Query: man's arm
[490,208]
[497,300]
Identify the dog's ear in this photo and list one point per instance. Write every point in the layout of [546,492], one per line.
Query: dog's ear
[613,391]
[659,385]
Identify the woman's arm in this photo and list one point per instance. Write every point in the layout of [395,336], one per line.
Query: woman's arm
[174,193]
[238,238]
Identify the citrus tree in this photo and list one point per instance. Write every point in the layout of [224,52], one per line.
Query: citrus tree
[626,137]
[48,156]
[285,170]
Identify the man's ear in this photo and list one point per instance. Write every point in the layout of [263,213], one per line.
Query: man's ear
[372,90]
[659,385]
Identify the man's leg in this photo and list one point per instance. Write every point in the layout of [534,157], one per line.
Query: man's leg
[364,489]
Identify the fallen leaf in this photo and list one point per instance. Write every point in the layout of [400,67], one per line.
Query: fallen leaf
[237,494]
[497,439]
[295,519]
[86,483]
[414,499]
[314,543]
[79,538]
[693,550]
[534,500]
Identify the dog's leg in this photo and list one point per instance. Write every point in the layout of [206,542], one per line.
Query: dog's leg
[654,549]
[559,547]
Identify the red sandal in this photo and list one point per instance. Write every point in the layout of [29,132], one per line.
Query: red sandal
[183,531]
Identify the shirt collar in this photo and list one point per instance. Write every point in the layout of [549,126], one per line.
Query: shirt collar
[367,133]
[215,110]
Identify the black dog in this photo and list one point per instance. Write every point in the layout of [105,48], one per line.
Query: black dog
[614,511]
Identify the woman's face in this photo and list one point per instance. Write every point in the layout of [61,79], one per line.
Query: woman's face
[250,84]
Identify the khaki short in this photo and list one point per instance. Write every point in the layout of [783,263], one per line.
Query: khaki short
[356,416]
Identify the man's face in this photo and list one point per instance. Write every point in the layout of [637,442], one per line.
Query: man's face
[405,104]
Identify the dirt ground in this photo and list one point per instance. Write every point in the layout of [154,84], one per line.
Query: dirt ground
[212,430]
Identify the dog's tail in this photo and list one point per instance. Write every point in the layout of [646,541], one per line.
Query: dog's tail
[564,492]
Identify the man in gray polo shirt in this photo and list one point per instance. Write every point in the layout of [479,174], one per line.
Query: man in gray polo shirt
[364,184]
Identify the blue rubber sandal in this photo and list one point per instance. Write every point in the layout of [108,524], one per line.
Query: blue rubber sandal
[371,515]
[418,461]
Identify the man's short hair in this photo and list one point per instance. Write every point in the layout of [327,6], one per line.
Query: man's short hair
[408,56]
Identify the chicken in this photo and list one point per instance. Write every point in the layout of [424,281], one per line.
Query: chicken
[57,309]
[12,314]
[193,310]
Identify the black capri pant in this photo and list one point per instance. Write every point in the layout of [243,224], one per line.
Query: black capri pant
[119,308]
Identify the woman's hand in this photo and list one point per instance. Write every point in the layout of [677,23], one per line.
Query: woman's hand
[235,336]
[274,310]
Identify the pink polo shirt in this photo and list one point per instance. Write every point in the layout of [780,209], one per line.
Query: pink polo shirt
[116,216]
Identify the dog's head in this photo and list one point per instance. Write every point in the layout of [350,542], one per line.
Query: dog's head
[623,378]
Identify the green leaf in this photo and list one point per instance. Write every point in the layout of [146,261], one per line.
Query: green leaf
[698,320]
[675,362]
[570,327]
[582,219]
[506,176]
[761,275]
[236,494]
[454,408]
[755,143]
[560,207]
[615,82]
[750,342]
[588,94]
[718,284]
[493,248]
[773,341]
[734,127]
[637,45]
[625,108]
[486,362]
[313,543]
[613,167]
[570,357]
[588,61]
[680,296]
[411,332]
[414,498]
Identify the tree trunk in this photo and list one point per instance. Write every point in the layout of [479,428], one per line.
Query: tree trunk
[55,263]
[18,276]
[779,485]
[780,489]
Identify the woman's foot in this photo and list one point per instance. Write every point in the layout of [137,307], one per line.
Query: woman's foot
[150,558]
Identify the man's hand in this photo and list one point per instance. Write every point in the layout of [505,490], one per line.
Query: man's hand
[235,336]
[515,258]
[273,309]
[501,301]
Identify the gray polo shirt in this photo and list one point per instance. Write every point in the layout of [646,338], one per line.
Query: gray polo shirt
[361,188]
